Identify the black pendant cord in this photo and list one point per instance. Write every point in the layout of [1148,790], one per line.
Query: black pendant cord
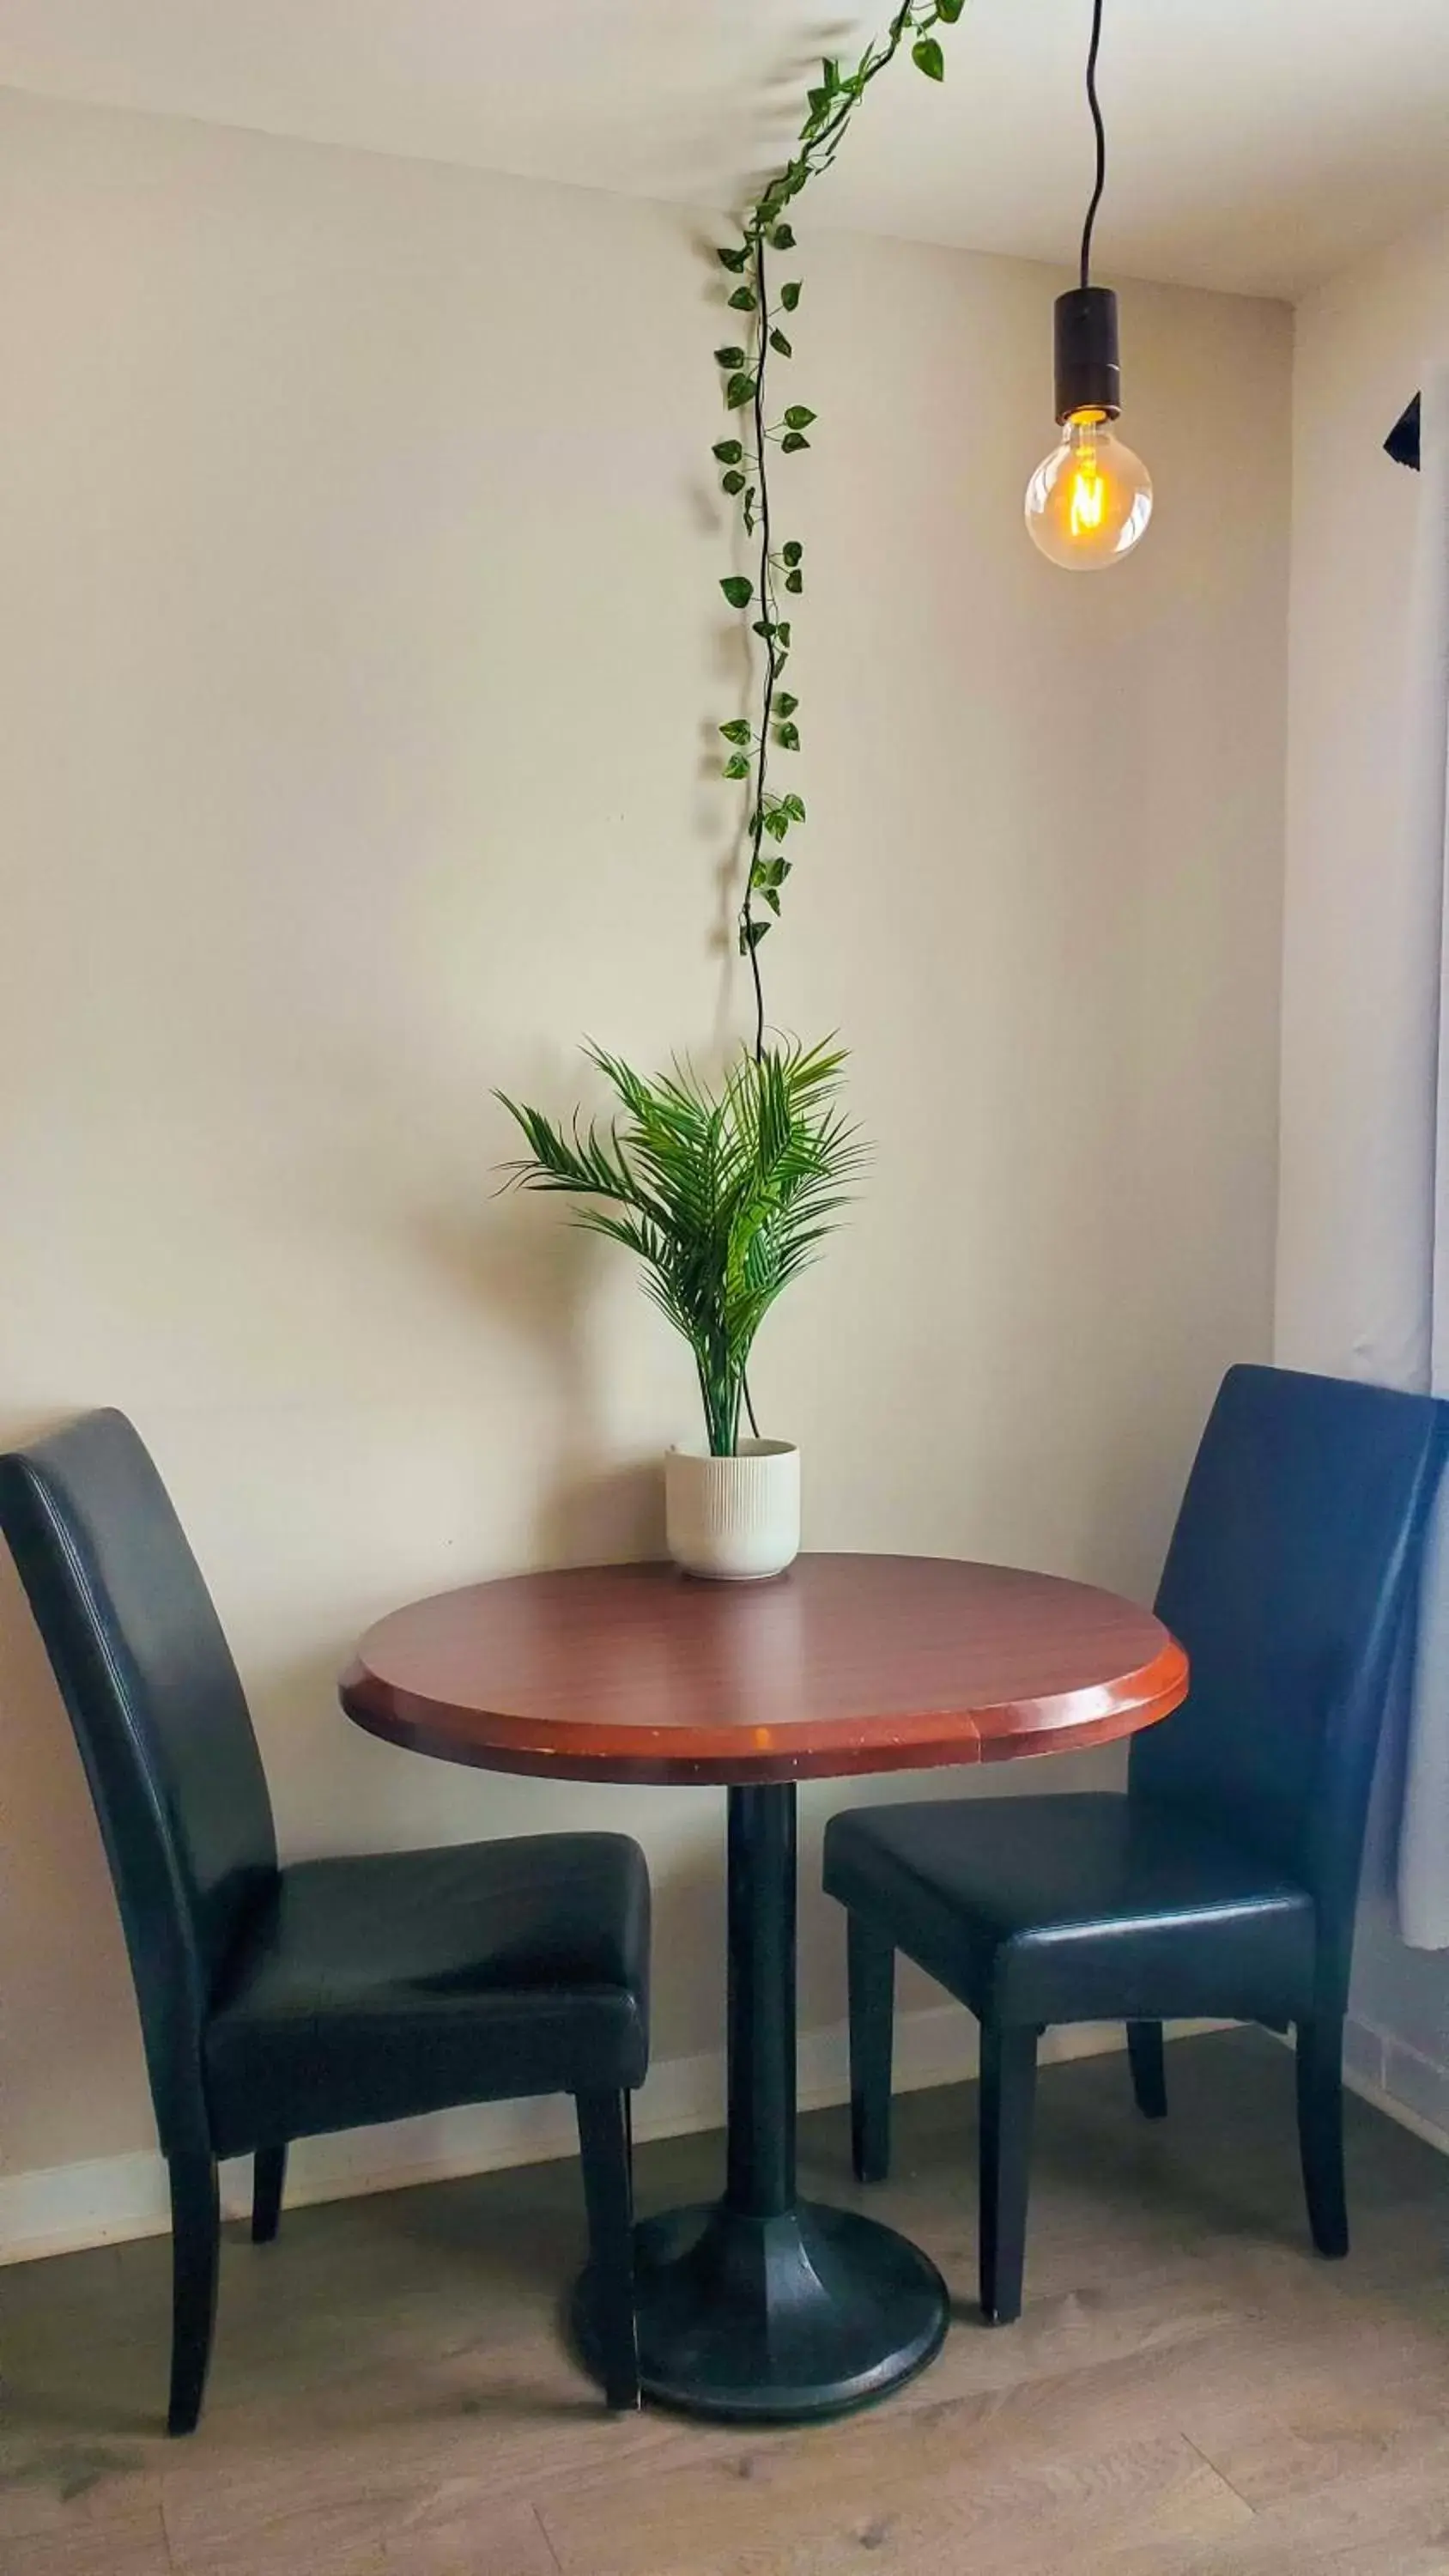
[1101,133]
[1088,368]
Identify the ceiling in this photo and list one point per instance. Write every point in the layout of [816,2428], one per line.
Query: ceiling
[1256,144]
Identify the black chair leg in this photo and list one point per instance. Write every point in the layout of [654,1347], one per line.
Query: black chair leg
[269,2175]
[1008,2091]
[1149,2068]
[605,2126]
[195,2247]
[872,1970]
[1320,2131]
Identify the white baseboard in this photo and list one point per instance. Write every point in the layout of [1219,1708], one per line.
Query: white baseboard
[107,2199]
[1411,2089]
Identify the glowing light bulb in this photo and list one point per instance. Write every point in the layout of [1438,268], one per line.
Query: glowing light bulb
[1088,503]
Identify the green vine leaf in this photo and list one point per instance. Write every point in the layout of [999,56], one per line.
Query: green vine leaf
[737,590]
[777,822]
[793,551]
[927,56]
[798,416]
[772,899]
[733,259]
[795,808]
[782,632]
[751,934]
[737,766]
[732,482]
[728,450]
[788,737]
[739,391]
[781,345]
[782,238]
[795,581]
[743,299]
[785,705]
[739,729]
[790,294]
[762,627]
[949,10]
[729,357]
[792,442]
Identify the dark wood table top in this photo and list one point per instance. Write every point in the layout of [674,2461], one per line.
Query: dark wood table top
[844,1664]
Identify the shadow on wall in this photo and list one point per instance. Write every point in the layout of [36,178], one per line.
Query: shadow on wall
[534,1277]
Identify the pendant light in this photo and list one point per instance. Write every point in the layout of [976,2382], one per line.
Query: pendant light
[1088,503]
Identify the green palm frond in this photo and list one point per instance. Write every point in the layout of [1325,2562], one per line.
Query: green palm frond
[724,1193]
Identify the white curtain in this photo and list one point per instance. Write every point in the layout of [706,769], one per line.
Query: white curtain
[1423,1871]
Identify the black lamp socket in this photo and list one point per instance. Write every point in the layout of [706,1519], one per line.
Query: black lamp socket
[1088,363]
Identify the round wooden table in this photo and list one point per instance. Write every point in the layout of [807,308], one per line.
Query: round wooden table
[763,2307]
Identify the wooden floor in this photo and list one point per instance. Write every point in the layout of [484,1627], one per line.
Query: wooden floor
[1188,2389]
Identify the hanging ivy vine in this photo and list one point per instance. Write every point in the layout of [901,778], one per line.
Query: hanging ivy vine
[745,462]
[725,1192]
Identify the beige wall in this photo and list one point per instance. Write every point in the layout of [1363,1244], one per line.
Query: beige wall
[1361,964]
[361,650]
[1353,1234]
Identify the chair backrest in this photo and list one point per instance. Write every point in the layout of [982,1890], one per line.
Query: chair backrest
[161,1722]
[1292,1580]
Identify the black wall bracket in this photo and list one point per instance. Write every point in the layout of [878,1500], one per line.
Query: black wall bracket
[1402,443]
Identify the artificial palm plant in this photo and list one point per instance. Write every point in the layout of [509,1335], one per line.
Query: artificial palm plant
[724,1191]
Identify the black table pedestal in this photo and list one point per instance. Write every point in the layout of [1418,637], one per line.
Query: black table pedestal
[762,2307]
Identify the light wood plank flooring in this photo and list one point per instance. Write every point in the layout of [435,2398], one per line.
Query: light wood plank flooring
[1190,2389]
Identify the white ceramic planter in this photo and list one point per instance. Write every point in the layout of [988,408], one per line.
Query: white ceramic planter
[734,1519]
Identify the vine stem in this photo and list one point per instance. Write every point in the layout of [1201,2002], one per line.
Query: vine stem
[819,150]
[753,929]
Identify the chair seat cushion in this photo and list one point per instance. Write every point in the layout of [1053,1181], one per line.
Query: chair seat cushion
[402,1982]
[1078,1907]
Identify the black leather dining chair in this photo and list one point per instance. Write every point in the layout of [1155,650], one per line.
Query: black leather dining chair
[278,2003]
[1223,1883]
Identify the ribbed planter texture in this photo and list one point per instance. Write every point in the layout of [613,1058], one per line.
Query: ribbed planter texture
[734,1520]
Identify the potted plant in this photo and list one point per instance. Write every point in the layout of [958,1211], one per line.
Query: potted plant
[725,1191]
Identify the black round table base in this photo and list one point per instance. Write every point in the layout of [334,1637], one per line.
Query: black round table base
[777,2320]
